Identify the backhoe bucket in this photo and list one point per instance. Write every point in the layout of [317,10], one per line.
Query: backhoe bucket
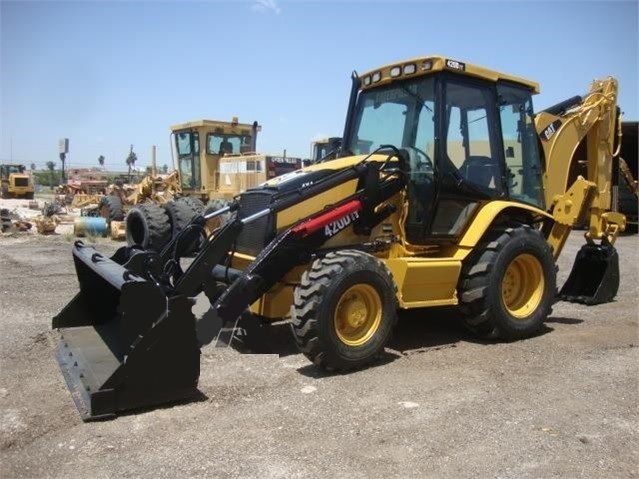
[594,277]
[124,344]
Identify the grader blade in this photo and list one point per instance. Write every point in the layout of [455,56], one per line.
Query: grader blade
[594,277]
[123,343]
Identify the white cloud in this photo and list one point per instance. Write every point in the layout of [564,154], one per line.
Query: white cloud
[264,6]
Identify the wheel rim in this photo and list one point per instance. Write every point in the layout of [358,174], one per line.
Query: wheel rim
[358,314]
[523,286]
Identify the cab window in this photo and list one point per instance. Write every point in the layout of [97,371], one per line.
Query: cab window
[471,140]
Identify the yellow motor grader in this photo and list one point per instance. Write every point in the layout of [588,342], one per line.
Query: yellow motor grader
[214,161]
[450,190]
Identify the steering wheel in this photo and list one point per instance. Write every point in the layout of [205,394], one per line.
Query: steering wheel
[420,162]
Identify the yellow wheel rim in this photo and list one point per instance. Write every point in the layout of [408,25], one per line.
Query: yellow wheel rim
[522,286]
[358,314]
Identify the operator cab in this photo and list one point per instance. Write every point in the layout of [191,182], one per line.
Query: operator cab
[325,149]
[468,140]
[7,170]
[199,145]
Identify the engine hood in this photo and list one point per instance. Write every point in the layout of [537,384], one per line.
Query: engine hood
[309,175]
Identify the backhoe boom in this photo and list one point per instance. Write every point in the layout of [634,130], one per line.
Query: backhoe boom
[561,128]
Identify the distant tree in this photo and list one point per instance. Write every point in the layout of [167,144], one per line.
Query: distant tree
[51,168]
[101,161]
[130,160]
[33,166]
[165,168]
[148,170]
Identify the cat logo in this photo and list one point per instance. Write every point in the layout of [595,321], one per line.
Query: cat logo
[550,130]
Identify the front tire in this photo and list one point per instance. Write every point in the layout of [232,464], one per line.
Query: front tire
[509,285]
[344,310]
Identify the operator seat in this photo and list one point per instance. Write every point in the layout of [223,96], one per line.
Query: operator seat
[482,171]
[421,188]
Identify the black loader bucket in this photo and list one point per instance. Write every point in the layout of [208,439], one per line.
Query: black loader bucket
[594,277]
[124,344]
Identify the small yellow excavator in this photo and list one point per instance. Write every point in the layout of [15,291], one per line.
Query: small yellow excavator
[450,190]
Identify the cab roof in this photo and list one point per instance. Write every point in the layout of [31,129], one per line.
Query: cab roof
[431,64]
[225,126]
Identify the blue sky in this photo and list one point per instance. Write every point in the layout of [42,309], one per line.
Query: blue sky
[108,74]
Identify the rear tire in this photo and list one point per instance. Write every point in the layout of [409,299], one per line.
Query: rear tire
[508,287]
[344,310]
[148,225]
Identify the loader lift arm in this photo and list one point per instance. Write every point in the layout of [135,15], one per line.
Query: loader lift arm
[297,245]
[129,337]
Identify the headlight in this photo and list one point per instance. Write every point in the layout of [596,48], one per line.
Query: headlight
[409,69]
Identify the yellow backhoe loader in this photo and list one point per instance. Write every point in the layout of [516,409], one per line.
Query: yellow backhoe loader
[450,191]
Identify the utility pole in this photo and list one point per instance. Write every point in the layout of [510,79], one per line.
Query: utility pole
[63,149]
[154,172]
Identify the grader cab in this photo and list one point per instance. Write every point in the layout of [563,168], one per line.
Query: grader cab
[198,146]
[324,149]
[450,191]
[218,160]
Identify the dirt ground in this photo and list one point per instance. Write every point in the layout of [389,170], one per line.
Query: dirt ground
[441,404]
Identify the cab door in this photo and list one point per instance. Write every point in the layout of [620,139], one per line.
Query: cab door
[470,160]
[187,145]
